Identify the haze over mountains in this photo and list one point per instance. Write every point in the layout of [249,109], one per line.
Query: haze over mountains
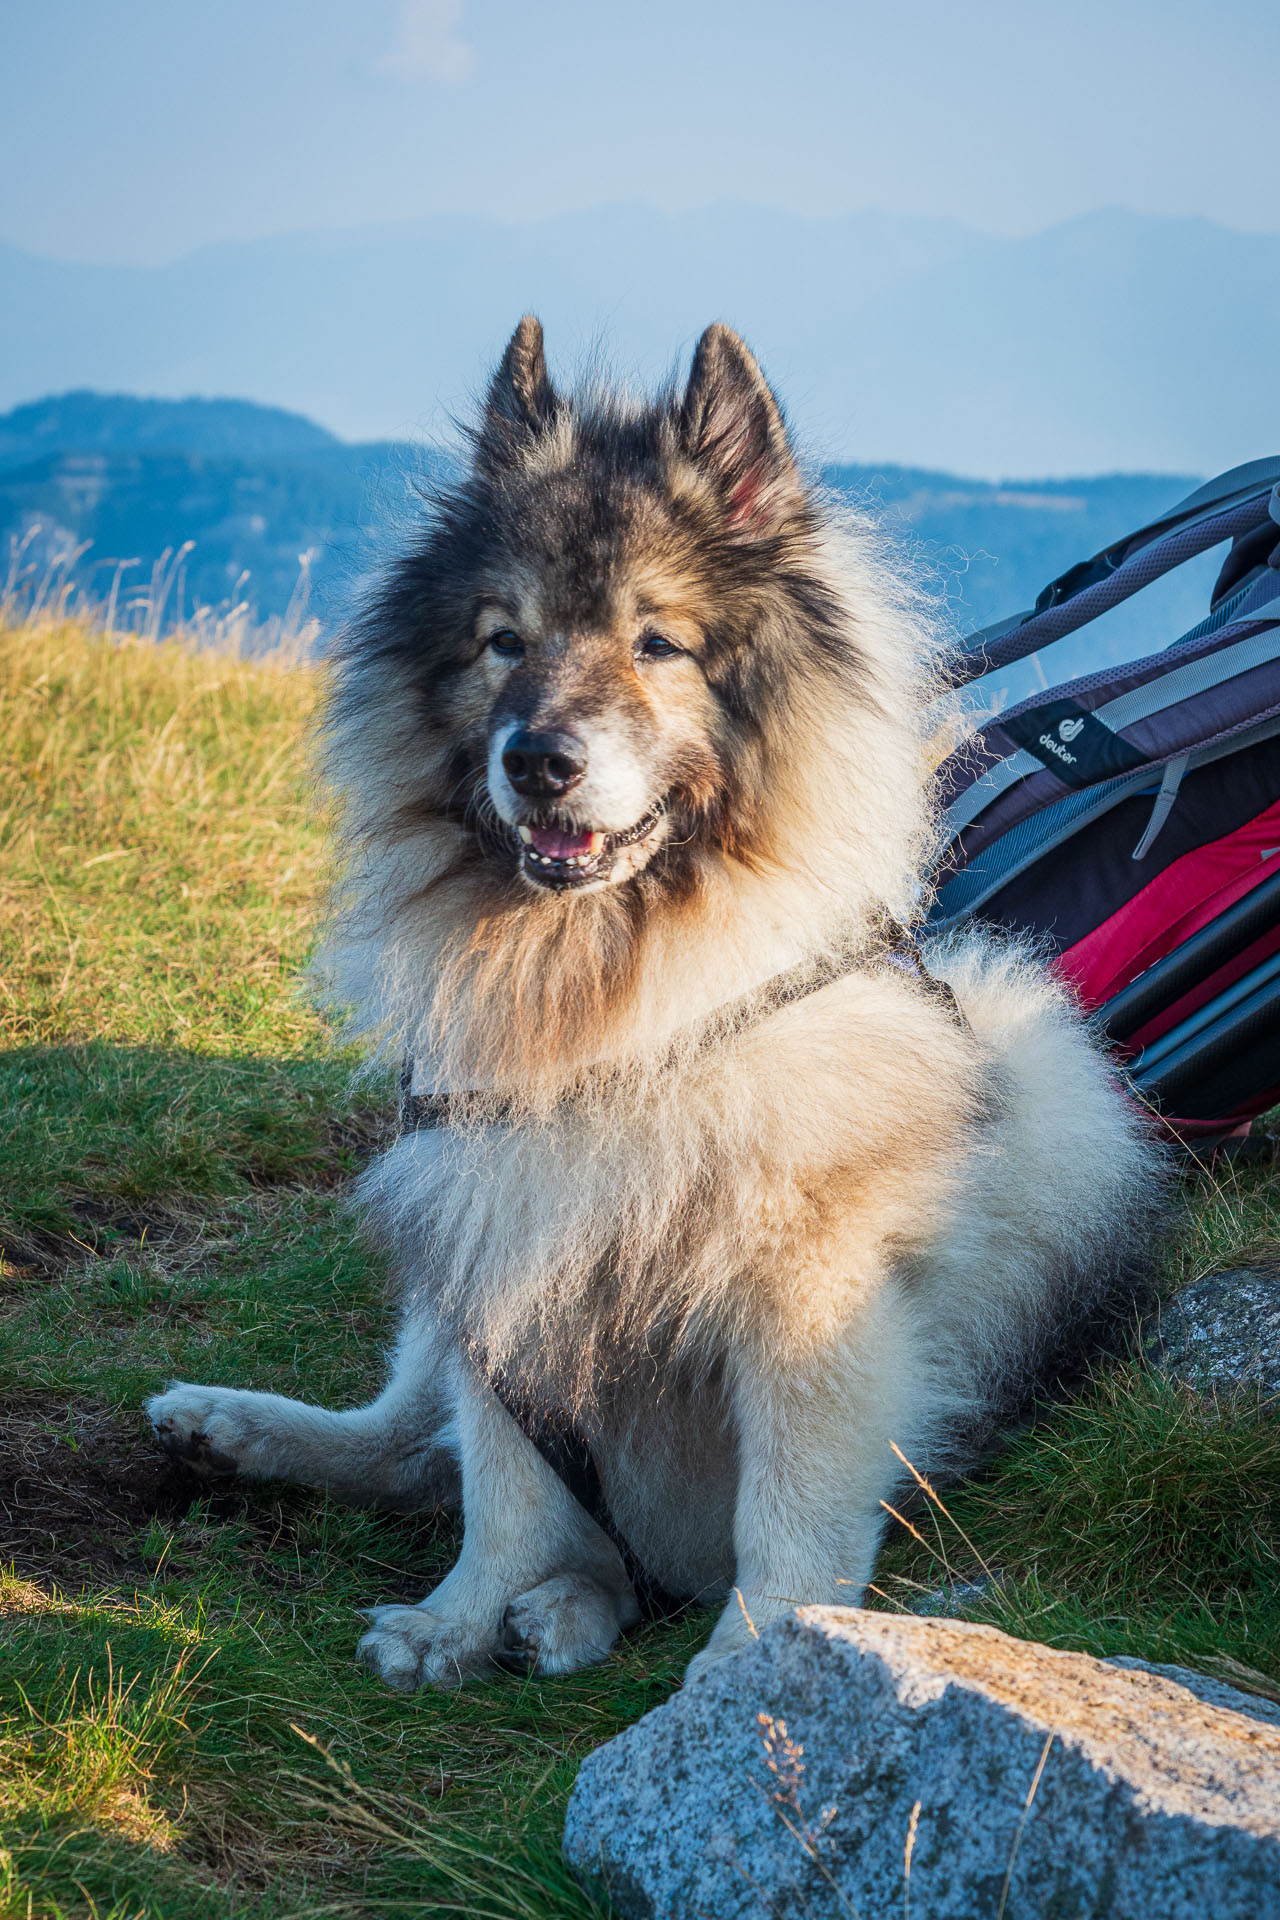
[1116,341]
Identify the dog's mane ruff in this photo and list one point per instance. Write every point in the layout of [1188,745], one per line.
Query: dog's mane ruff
[706,1208]
[527,993]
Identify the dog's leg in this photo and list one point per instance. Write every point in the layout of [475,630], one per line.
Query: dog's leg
[537,1584]
[396,1452]
[816,1460]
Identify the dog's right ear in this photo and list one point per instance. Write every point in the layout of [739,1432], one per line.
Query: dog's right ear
[521,399]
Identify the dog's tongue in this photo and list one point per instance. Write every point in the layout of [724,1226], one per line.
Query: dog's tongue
[557,844]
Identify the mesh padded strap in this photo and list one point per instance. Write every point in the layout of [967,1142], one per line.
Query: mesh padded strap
[1001,645]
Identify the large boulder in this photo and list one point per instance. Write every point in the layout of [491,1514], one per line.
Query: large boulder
[1222,1334]
[868,1764]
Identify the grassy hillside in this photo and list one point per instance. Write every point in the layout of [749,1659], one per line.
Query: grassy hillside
[183,1732]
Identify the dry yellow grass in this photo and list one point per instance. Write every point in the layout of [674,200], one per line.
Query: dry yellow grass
[161,843]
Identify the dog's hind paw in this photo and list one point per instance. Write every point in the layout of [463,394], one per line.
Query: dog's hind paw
[703,1662]
[410,1647]
[566,1623]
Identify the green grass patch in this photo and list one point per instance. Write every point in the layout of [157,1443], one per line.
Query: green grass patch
[1138,1519]
[183,1732]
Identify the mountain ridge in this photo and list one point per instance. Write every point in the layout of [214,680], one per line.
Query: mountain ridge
[252,507]
[1111,341]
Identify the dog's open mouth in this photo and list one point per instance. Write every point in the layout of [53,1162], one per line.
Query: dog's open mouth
[560,854]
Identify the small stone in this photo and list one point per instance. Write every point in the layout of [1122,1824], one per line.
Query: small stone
[944,1603]
[877,1764]
[1222,1334]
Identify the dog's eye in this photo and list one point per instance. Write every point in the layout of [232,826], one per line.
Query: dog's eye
[507,643]
[656,646]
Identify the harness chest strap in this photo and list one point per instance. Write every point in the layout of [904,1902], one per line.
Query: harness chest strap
[900,952]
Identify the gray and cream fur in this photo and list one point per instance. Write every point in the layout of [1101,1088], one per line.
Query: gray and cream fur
[637,727]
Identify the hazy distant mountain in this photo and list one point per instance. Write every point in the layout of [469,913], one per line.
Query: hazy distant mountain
[121,422]
[254,489]
[1116,341]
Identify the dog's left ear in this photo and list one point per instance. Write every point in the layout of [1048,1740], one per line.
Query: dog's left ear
[521,399]
[731,423]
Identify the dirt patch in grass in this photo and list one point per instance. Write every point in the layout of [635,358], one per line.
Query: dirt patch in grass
[354,1138]
[78,1489]
[98,1229]
[82,1490]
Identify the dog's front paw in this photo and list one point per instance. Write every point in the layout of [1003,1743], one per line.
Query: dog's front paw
[703,1662]
[204,1427]
[566,1623]
[409,1647]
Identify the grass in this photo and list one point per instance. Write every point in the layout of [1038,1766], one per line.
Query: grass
[182,1730]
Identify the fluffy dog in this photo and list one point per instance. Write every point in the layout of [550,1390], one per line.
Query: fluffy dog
[633,748]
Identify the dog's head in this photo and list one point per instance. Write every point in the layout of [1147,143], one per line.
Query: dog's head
[594,628]
[630,726]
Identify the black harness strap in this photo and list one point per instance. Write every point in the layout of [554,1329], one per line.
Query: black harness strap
[567,1452]
[564,1448]
[903,954]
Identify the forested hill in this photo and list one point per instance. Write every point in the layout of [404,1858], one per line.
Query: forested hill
[256,487]
[83,421]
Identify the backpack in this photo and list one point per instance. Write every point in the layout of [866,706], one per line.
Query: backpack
[1129,820]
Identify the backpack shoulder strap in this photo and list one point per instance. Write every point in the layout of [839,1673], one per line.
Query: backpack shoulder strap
[1228,508]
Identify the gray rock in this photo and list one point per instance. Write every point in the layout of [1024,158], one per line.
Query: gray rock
[875,1765]
[1222,1334]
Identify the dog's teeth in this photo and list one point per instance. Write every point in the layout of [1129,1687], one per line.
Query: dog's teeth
[525,835]
[596,846]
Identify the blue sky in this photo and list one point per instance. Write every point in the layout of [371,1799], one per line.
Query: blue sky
[137,130]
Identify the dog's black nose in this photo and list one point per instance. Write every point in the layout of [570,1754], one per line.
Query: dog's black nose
[542,766]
